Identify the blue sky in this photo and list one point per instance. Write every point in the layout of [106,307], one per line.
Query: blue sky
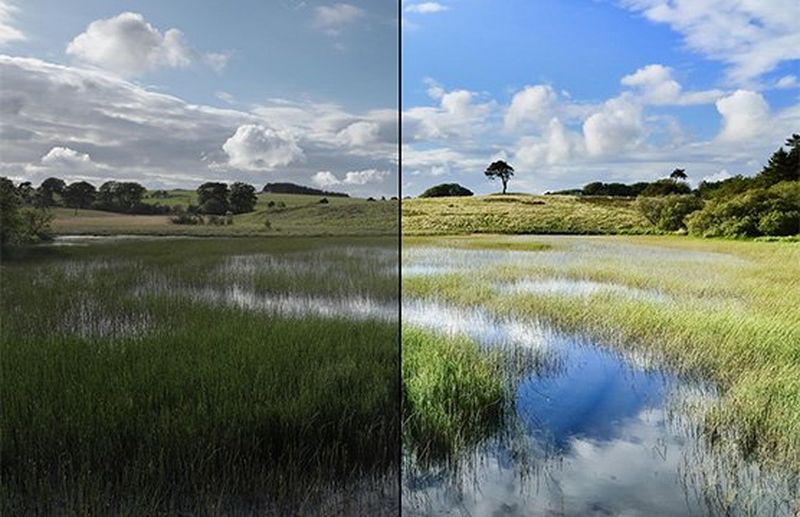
[186,91]
[574,91]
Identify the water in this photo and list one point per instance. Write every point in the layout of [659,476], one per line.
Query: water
[601,432]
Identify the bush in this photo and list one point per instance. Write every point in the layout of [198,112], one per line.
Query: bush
[323,201]
[213,206]
[773,211]
[665,187]
[667,213]
[186,218]
[446,190]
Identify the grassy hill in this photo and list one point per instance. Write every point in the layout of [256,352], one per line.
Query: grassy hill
[301,215]
[521,213]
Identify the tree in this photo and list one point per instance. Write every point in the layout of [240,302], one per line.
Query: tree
[502,170]
[9,215]
[213,198]
[26,192]
[243,198]
[779,168]
[678,175]
[446,190]
[80,194]
[793,143]
[120,196]
[48,188]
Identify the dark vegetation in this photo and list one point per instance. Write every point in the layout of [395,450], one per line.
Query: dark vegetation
[500,170]
[291,188]
[767,204]
[446,190]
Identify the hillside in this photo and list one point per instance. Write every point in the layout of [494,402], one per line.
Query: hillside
[520,213]
[290,215]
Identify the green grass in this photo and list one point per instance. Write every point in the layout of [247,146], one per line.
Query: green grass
[301,215]
[522,214]
[121,395]
[731,315]
[453,392]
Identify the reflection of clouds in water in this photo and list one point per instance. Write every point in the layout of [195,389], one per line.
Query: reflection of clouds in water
[633,474]
[580,288]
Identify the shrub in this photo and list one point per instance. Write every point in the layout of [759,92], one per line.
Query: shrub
[213,206]
[756,212]
[446,190]
[185,218]
[665,187]
[323,201]
[667,213]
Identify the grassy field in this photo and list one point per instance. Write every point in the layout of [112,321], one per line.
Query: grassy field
[520,213]
[722,310]
[301,215]
[157,376]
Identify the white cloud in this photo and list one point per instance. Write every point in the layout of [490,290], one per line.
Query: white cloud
[616,127]
[360,133]
[425,8]
[745,115]
[534,104]
[717,176]
[65,156]
[557,145]
[133,133]
[129,45]
[225,96]
[752,37]
[8,32]
[457,116]
[655,85]
[256,147]
[787,82]
[333,19]
[363,177]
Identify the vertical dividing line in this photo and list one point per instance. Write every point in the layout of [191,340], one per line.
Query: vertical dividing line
[400,256]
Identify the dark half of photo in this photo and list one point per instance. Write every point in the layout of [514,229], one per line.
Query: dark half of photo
[199,278]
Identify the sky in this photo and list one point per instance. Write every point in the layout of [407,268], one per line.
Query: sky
[569,92]
[172,94]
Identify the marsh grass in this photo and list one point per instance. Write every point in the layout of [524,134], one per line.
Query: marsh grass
[522,214]
[122,399]
[453,393]
[731,316]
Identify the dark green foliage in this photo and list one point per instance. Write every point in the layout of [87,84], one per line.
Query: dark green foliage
[500,170]
[599,188]
[125,197]
[291,188]
[725,188]
[667,213]
[665,187]
[242,198]
[678,175]
[760,211]
[213,198]
[48,189]
[80,194]
[446,190]
[20,224]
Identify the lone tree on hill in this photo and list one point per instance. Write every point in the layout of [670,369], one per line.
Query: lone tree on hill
[678,175]
[500,169]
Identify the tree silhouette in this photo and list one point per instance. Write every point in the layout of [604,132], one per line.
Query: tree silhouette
[678,175]
[500,169]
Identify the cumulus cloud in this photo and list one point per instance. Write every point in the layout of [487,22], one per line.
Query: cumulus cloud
[556,145]
[256,147]
[787,82]
[360,133]
[531,104]
[333,19]
[616,127]
[745,114]
[458,115]
[364,177]
[132,133]
[425,8]
[8,32]
[751,37]
[128,45]
[655,85]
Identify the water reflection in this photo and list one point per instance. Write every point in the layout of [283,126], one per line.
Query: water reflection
[603,433]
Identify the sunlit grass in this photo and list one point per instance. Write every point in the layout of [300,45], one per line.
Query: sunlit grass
[730,311]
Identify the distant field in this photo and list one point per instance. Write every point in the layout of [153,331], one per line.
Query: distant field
[519,213]
[302,215]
